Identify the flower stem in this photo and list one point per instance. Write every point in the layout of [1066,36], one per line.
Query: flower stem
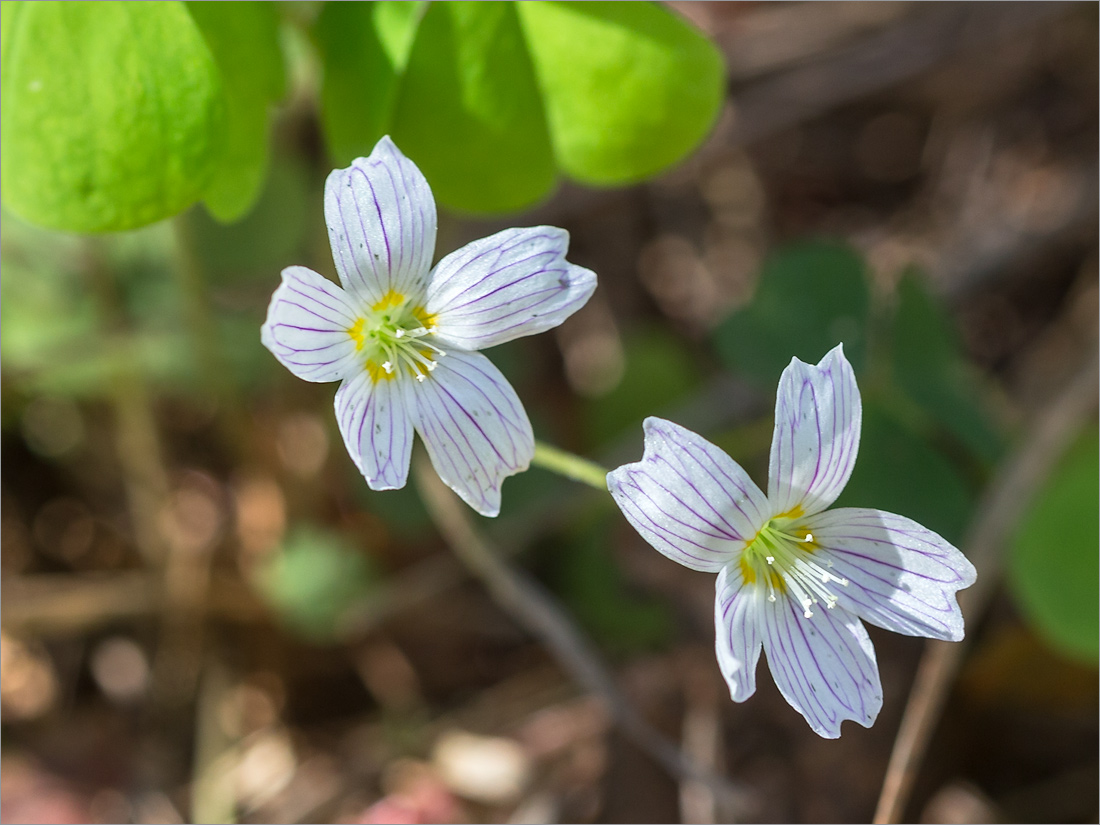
[569,465]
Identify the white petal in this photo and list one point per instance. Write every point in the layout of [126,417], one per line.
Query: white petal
[474,426]
[377,429]
[823,665]
[687,498]
[737,620]
[901,576]
[381,224]
[817,420]
[514,283]
[307,326]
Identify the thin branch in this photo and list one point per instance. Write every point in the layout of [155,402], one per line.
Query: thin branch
[1001,507]
[536,610]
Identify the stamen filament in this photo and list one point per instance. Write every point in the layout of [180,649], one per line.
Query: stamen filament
[783,556]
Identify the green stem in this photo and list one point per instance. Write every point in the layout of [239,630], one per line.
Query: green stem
[569,465]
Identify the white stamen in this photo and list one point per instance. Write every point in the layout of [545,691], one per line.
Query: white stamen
[805,577]
[388,367]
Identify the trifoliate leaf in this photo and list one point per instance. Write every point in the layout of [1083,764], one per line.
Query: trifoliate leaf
[492,100]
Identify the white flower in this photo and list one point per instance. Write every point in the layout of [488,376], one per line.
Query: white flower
[794,578]
[403,337]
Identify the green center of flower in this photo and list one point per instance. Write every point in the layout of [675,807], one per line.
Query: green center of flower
[393,336]
[782,557]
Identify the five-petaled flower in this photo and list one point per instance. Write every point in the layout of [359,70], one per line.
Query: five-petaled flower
[403,337]
[794,578]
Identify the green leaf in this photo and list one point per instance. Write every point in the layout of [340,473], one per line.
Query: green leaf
[313,581]
[365,48]
[53,339]
[629,88]
[469,113]
[271,236]
[811,296]
[492,99]
[660,370]
[113,114]
[900,472]
[1053,565]
[8,12]
[593,587]
[244,39]
[929,366]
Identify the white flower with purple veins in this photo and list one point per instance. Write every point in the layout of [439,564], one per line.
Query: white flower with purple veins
[403,337]
[794,578]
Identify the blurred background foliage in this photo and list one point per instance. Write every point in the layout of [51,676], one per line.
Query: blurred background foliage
[185,539]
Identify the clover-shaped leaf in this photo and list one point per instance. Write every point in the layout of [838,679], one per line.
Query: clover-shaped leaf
[492,100]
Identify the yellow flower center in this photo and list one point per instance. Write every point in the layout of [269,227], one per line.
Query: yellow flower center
[394,336]
[783,558]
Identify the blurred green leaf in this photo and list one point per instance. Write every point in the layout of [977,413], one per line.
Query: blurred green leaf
[1053,565]
[244,39]
[113,113]
[53,340]
[593,587]
[660,370]
[811,296]
[629,88]
[8,13]
[469,113]
[271,236]
[929,366]
[313,580]
[365,48]
[899,471]
[491,99]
